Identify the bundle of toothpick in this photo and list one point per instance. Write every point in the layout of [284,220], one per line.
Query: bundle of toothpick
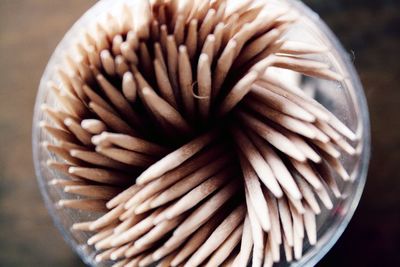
[178,124]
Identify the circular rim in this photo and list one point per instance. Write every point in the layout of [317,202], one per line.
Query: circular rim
[326,242]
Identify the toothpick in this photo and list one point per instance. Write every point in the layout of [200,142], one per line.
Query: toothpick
[81,226]
[146,261]
[191,38]
[77,84]
[279,169]
[272,251]
[193,167]
[308,195]
[123,196]
[275,232]
[222,253]
[218,167]
[58,133]
[133,143]
[297,245]
[328,148]
[158,55]
[326,175]
[111,120]
[172,61]
[155,31]
[201,214]
[206,27]
[94,205]
[186,81]
[132,39]
[103,233]
[179,30]
[137,251]
[258,163]
[175,158]
[116,44]
[129,53]
[294,94]
[286,220]
[69,102]
[290,123]
[256,197]
[100,175]
[107,218]
[337,166]
[93,56]
[297,219]
[250,14]
[230,28]
[57,116]
[310,225]
[301,48]
[128,223]
[166,261]
[324,197]
[194,242]
[145,60]
[126,156]
[81,134]
[95,98]
[61,152]
[64,183]
[341,128]
[217,237]
[307,173]
[164,84]
[134,262]
[163,251]
[145,205]
[142,17]
[105,255]
[241,88]
[121,263]
[224,64]
[93,126]
[258,45]
[202,9]
[158,231]
[136,231]
[165,110]
[94,191]
[121,65]
[218,34]
[61,167]
[345,146]
[275,138]
[246,244]
[204,85]
[256,231]
[119,252]
[208,47]
[107,62]
[281,104]
[196,195]
[305,148]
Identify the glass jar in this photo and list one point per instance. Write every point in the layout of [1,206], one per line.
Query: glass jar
[345,99]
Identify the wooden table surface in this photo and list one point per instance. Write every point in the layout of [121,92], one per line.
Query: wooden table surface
[30,30]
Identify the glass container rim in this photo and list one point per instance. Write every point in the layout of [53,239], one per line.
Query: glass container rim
[316,253]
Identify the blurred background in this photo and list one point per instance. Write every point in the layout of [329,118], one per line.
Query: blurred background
[31,29]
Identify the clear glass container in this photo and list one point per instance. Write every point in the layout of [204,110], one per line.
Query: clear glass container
[346,100]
